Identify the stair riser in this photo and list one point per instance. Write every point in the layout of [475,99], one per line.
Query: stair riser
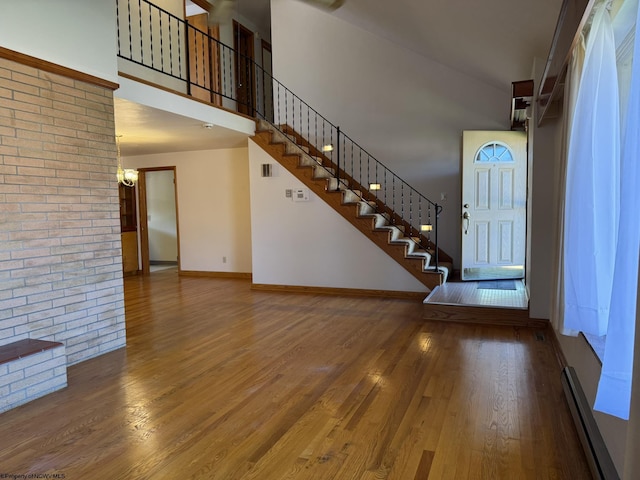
[318,179]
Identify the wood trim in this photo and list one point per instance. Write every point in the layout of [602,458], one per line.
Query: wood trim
[181,94]
[264,46]
[482,315]
[50,67]
[237,29]
[358,292]
[175,193]
[143,223]
[197,273]
[557,348]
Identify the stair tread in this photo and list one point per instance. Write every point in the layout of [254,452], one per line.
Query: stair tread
[366,209]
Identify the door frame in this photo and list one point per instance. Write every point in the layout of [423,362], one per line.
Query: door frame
[238,29]
[523,195]
[143,223]
[267,80]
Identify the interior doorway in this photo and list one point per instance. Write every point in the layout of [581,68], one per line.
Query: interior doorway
[244,72]
[159,234]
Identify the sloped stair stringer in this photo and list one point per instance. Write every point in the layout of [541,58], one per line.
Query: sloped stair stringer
[370,218]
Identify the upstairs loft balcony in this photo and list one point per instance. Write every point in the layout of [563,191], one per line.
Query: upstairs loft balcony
[185,56]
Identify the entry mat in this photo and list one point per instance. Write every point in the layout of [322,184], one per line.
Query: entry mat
[497,285]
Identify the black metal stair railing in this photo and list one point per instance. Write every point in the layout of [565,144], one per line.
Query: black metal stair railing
[206,68]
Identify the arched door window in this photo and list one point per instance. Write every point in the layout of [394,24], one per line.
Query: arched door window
[494,152]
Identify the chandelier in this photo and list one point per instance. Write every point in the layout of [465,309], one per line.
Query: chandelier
[127,177]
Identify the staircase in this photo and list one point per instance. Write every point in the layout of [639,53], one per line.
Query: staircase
[396,217]
[355,203]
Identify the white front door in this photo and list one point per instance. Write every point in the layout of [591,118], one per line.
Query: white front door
[494,213]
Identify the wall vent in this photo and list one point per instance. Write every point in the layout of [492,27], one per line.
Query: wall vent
[267,170]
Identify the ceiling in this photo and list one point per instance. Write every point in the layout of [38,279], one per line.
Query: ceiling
[493,41]
[145,130]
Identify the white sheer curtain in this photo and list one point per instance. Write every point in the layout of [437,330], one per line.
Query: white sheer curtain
[593,183]
[572,82]
[614,388]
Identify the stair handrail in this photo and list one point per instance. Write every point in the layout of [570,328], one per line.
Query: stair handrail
[265,97]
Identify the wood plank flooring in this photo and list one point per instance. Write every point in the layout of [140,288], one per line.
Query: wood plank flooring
[221,382]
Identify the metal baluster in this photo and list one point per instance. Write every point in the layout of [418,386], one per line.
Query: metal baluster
[322,143]
[264,92]
[393,193]
[410,214]
[161,44]
[210,45]
[338,155]
[170,48]
[140,22]
[429,223]
[118,24]
[180,53]
[402,200]
[224,70]
[196,80]
[130,38]
[279,120]
[360,167]
[151,34]
[438,208]
[352,164]
[187,60]
[308,126]
[384,186]
[300,130]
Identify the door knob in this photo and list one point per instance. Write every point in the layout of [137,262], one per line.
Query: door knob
[466,218]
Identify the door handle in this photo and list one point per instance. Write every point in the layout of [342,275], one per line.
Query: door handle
[465,222]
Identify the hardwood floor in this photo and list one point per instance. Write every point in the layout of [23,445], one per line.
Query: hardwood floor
[221,382]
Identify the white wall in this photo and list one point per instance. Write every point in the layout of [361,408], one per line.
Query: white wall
[308,243]
[213,207]
[407,111]
[161,216]
[542,218]
[80,35]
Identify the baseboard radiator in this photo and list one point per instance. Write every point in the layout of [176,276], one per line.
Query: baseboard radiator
[600,462]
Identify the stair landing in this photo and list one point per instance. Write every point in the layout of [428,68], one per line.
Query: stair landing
[465,302]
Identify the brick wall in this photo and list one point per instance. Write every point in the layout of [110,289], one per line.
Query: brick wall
[60,255]
[32,377]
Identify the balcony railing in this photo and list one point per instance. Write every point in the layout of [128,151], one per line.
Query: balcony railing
[198,64]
